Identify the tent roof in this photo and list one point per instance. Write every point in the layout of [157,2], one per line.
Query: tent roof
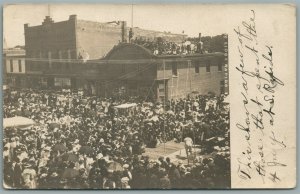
[17,122]
[126,105]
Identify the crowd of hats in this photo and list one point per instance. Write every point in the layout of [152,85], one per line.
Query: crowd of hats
[84,142]
[163,47]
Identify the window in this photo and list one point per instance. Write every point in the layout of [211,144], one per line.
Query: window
[69,54]
[49,59]
[197,68]
[220,67]
[174,69]
[208,66]
[222,87]
[61,82]
[11,66]
[20,65]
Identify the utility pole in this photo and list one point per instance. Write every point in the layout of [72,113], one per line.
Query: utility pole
[131,15]
[49,10]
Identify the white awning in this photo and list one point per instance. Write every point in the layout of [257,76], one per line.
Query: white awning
[21,122]
[126,105]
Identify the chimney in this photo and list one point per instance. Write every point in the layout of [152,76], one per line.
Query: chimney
[73,17]
[199,37]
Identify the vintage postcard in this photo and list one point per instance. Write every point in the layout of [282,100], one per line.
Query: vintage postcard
[149,96]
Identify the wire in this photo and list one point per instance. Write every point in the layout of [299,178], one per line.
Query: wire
[103,60]
[149,90]
[133,72]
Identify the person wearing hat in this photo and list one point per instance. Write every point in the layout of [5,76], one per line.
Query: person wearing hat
[109,183]
[12,146]
[53,180]
[17,173]
[125,183]
[164,181]
[126,172]
[29,176]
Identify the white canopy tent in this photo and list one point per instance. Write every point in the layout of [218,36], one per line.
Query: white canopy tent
[126,109]
[127,105]
[21,122]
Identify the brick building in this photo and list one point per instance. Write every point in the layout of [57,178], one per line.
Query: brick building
[54,49]
[97,58]
[130,69]
[13,67]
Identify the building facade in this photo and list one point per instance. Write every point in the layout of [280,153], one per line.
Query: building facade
[13,67]
[55,49]
[132,70]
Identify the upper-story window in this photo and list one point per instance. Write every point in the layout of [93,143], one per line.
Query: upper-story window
[220,67]
[197,67]
[20,65]
[11,65]
[208,66]
[174,69]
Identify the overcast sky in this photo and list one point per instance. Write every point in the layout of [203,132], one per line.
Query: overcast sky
[174,18]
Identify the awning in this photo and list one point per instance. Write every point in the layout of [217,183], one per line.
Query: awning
[21,122]
[122,106]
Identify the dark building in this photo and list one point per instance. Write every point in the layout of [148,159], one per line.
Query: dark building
[98,58]
[130,69]
[55,49]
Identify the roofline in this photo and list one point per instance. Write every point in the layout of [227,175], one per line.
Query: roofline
[122,44]
[191,55]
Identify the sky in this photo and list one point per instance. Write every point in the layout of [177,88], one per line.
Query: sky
[192,19]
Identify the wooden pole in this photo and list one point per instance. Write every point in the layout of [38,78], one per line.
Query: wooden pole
[164,106]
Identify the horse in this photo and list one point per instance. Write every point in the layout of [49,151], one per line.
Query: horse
[188,144]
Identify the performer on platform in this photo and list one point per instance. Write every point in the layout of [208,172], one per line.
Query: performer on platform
[188,143]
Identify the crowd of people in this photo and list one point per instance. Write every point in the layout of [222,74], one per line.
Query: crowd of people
[82,141]
[160,46]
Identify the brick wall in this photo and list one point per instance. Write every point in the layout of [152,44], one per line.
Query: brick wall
[97,39]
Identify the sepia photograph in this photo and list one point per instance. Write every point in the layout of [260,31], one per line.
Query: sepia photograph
[128,96]
[95,103]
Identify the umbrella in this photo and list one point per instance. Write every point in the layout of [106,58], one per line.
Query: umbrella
[170,112]
[20,122]
[59,147]
[115,166]
[70,157]
[54,125]
[154,118]
[70,173]
[86,150]
[187,43]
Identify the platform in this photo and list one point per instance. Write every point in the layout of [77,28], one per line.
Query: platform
[175,151]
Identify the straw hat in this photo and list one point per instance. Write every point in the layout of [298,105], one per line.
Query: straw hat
[124,179]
